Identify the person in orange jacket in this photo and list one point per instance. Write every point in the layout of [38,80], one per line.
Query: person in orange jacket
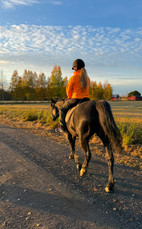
[77,90]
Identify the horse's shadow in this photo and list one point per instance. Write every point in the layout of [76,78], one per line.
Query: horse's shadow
[37,200]
[48,203]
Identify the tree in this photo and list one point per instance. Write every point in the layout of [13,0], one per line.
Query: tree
[63,90]
[13,84]
[5,95]
[32,86]
[107,91]
[136,93]
[48,95]
[93,90]
[29,82]
[41,87]
[19,89]
[14,80]
[23,87]
[100,91]
[56,82]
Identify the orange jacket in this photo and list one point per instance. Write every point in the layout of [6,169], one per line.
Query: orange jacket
[74,89]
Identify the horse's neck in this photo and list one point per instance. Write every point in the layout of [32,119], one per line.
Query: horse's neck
[59,104]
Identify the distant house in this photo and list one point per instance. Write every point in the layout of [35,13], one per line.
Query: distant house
[115,98]
[135,98]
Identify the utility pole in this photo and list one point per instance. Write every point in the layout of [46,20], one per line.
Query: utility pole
[1,85]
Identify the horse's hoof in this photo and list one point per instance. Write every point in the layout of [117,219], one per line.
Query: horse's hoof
[78,167]
[107,189]
[82,172]
[71,156]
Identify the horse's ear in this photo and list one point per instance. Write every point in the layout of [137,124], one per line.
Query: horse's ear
[52,102]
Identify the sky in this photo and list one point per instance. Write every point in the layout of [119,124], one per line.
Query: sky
[106,34]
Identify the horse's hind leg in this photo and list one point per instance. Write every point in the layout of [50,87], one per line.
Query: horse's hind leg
[110,161]
[85,146]
[109,157]
[72,145]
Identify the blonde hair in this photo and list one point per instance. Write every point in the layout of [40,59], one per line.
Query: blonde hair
[83,78]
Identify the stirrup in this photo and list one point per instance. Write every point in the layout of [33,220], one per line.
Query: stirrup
[59,129]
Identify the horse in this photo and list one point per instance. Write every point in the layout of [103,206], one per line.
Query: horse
[85,120]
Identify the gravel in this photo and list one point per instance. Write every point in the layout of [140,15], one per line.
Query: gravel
[41,188]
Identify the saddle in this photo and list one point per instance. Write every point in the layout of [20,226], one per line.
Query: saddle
[69,113]
[71,110]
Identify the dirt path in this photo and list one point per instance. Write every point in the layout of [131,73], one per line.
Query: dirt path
[41,188]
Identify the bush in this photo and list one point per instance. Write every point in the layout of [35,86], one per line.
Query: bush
[131,133]
[31,115]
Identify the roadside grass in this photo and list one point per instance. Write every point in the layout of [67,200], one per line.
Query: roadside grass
[128,117]
[38,114]
[131,133]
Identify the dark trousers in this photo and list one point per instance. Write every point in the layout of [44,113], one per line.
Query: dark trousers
[70,103]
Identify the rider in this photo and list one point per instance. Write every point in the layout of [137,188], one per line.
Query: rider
[77,91]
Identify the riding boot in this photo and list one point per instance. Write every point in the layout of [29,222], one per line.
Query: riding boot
[62,120]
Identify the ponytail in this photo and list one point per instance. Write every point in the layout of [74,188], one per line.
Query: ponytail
[83,78]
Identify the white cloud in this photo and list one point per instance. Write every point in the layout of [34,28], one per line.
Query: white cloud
[23,39]
[107,52]
[12,3]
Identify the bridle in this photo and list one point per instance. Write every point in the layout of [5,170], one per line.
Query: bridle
[54,117]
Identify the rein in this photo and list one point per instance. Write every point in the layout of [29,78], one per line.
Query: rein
[57,113]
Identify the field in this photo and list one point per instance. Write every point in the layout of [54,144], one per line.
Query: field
[127,114]
[127,110]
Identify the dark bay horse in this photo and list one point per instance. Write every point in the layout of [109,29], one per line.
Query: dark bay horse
[85,120]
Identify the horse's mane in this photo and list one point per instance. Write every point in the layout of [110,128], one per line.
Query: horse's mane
[58,102]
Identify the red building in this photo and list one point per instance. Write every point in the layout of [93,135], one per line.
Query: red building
[135,98]
[115,98]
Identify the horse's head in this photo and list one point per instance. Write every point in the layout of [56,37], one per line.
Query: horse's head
[54,110]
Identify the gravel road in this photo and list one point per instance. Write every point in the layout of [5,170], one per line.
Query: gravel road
[41,188]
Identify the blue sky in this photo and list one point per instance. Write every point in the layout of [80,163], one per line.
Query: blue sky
[106,34]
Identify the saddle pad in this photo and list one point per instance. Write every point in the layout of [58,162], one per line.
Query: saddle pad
[69,113]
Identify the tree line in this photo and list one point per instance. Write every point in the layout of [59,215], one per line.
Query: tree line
[31,86]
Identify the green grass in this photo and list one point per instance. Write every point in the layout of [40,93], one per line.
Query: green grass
[131,133]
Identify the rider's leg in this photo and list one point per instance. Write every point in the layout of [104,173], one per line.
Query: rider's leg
[62,119]
[67,105]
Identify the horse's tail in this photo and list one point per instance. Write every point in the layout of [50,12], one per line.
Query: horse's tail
[108,124]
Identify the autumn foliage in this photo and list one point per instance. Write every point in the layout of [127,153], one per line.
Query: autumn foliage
[31,86]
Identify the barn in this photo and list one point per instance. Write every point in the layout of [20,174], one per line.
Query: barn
[115,98]
[135,98]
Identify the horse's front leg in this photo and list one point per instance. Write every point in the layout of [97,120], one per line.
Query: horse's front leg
[110,161]
[85,146]
[73,154]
